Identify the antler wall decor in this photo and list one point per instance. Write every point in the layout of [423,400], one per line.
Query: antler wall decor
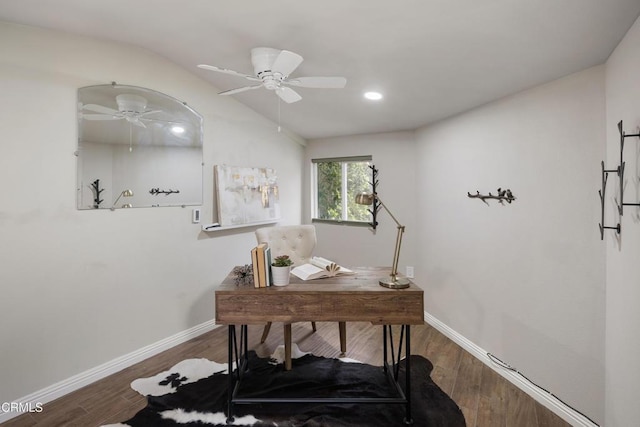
[501,197]
[156,191]
[95,186]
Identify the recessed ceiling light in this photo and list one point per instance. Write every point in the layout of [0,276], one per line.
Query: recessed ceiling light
[373,96]
[177,129]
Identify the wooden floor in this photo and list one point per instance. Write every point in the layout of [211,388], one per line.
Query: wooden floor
[486,399]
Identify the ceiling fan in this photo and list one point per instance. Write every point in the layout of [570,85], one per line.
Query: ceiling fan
[132,108]
[272,68]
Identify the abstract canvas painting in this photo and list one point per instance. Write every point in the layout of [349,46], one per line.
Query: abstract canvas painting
[246,195]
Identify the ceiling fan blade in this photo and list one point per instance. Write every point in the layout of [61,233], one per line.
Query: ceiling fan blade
[318,82]
[149,112]
[286,62]
[288,95]
[226,71]
[100,117]
[240,89]
[99,109]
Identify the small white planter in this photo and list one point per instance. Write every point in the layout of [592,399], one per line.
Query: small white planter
[280,275]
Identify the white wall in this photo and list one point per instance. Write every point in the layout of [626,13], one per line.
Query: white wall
[524,281]
[623,255]
[80,288]
[394,156]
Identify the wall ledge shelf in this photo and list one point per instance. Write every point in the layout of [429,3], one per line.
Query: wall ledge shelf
[217,227]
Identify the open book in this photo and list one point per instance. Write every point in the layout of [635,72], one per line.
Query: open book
[319,267]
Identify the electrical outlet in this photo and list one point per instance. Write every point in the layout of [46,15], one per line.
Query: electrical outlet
[409,272]
[195,218]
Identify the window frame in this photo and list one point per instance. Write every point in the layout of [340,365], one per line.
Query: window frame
[314,189]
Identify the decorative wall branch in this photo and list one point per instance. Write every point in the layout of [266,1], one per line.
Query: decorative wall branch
[95,186]
[156,191]
[501,197]
[623,135]
[375,207]
[605,177]
[619,199]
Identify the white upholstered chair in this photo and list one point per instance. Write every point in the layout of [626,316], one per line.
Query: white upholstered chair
[297,241]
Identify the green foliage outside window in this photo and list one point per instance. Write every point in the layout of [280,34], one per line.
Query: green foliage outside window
[337,186]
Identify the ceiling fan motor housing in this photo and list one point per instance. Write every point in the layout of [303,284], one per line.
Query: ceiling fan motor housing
[262,59]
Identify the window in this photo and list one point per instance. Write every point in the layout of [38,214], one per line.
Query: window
[336,183]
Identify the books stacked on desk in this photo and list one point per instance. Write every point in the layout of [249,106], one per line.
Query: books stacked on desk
[319,267]
[261,261]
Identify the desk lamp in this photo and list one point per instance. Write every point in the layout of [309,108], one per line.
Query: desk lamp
[393,281]
[125,193]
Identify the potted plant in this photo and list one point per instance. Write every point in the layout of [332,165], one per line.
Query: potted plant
[280,269]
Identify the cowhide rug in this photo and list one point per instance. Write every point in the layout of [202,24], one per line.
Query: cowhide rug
[194,393]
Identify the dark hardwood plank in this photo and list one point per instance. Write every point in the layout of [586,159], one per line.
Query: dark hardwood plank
[486,399]
[467,386]
[492,400]
[546,418]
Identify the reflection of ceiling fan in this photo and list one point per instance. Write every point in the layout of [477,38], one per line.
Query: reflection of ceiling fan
[130,107]
[272,68]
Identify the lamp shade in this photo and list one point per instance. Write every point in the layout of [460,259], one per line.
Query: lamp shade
[365,198]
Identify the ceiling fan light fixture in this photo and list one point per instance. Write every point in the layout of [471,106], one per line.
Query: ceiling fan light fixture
[373,96]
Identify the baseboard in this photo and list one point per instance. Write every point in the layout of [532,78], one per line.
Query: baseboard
[82,379]
[563,411]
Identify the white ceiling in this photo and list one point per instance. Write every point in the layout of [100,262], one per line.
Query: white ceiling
[430,58]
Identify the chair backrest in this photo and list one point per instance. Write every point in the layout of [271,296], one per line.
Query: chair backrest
[297,241]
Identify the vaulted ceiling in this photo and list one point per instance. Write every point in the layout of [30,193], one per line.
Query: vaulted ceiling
[429,58]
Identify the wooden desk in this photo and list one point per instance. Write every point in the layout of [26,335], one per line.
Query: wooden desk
[352,298]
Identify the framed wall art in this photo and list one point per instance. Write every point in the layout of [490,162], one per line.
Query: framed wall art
[246,195]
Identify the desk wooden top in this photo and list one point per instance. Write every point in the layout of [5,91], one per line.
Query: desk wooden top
[356,297]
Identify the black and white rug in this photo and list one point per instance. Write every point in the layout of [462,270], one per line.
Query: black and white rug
[194,393]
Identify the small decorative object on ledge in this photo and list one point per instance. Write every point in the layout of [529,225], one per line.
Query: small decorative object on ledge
[243,275]
[501,197]
[95,186]
[156,191]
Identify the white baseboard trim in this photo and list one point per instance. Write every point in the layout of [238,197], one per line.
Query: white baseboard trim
[82,379]
[563,411]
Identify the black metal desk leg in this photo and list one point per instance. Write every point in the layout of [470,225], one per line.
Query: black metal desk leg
[384,347]
[231,381]
[246,345]
[409,418]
